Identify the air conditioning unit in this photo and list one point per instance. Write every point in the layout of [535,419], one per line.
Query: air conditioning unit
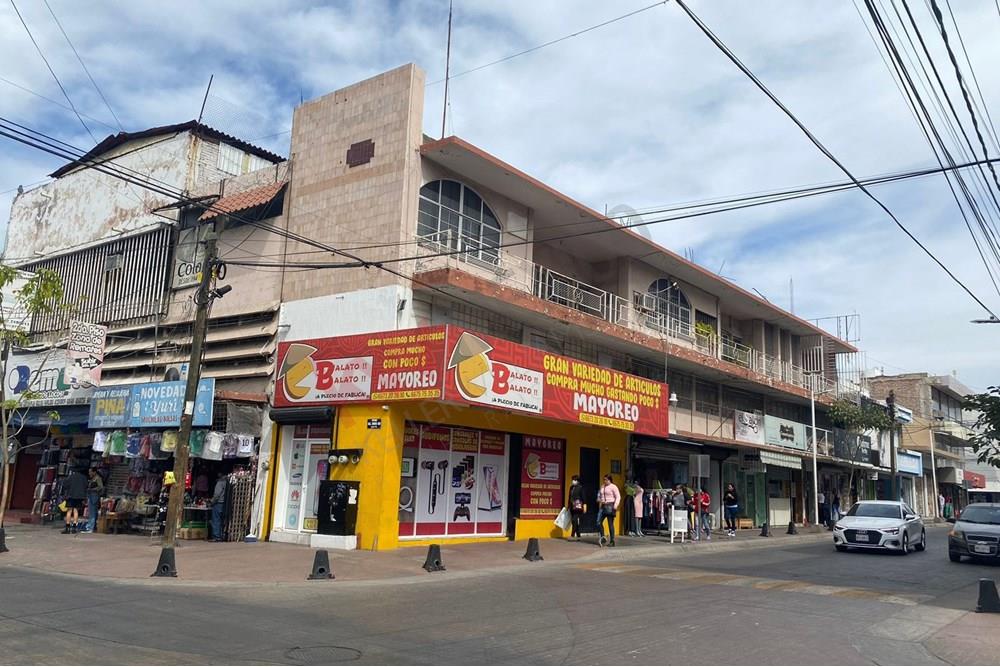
[644,302]
[114,262]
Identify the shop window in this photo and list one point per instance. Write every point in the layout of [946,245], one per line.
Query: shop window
[454,216]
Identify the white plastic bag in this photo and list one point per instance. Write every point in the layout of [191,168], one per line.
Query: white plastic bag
[563,520]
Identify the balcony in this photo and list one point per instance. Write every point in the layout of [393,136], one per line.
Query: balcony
[639,314]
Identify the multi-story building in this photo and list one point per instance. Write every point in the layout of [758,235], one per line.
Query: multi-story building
[449,338]
[938,431]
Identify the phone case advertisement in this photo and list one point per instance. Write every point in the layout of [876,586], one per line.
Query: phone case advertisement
[542,476]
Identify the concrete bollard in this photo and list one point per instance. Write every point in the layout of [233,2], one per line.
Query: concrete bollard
[792,530]
[988,600]
[433,562]
[167,567]
[321,567]
[532,553]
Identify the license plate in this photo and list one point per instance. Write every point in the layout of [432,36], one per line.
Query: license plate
[981,548]
[861,537]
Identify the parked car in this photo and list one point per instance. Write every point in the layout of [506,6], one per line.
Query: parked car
[976,533]
[880,524]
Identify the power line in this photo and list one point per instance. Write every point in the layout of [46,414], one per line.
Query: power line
[819,145]
[55,102]
[552,42]
[975,79]
[52,71]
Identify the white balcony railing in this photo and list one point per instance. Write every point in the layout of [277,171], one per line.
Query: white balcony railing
[521,274]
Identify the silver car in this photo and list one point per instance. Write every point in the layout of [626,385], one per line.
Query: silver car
[880,524]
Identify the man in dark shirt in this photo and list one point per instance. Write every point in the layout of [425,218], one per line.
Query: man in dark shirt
[218,503]
[75,492]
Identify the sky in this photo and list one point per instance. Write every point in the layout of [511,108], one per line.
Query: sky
[644,111]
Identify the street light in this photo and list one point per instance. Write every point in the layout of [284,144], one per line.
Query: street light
[992,319]
[812,411]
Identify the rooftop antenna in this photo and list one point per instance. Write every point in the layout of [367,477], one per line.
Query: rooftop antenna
[627,217]
[791,295]
[205,100]
[447,70]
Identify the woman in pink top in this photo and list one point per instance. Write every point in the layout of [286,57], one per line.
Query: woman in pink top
[608,500]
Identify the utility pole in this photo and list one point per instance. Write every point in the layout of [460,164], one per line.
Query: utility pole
[202,298]
[894,485]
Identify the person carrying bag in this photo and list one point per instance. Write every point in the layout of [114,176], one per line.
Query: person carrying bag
[577,506]
[608,500]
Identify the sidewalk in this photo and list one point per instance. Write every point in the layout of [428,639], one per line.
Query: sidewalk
[133,557]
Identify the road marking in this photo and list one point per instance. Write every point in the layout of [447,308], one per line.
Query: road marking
[759,583]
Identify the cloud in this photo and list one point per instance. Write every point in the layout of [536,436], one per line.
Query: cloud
[644,111]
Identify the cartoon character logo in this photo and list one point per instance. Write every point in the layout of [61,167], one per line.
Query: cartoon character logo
[297,365]
[473,376]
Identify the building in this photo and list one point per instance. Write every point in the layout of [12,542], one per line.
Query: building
[938,431]
[128,258]
[481,251]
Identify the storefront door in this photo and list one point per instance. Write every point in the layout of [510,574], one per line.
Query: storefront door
[590,474]
[303,465]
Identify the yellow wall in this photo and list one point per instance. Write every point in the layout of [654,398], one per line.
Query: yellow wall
[379,468]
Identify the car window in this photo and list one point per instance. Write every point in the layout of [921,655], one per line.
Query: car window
[908,510]
[876,511]
[988,515]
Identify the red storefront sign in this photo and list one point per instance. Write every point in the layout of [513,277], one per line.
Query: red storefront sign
[483,370]
[975,480]
[542,473]
[384,366]
[454,364]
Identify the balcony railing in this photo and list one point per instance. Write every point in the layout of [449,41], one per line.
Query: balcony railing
[521,274]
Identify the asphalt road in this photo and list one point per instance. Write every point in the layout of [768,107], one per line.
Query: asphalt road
[803,604]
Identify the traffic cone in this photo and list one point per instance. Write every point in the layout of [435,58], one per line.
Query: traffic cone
[792,530]
[321,567]
[765,530]
[433,562]
[167,567]
[988,600]
[532,553]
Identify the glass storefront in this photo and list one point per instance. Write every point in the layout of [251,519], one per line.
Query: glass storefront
[304,464]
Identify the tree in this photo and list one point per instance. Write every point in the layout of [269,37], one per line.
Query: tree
[855,419]
[22,296]
[986,441]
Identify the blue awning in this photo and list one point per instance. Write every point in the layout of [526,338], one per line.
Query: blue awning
[69,415]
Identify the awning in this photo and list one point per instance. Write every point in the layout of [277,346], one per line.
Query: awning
[69,415]
[780,460]
[320,415]
[242,201]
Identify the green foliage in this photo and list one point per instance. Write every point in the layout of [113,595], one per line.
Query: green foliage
[850,416]
[986,441]
[704,329]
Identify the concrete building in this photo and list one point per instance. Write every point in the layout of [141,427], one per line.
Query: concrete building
[939,431]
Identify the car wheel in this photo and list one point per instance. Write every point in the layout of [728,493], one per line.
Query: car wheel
[905,548]
[920,546]
[840,547]
[954,557]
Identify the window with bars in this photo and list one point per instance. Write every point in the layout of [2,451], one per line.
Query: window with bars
[670,303]
[453,215]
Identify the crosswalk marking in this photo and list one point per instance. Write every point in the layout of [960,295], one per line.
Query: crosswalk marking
[757,583]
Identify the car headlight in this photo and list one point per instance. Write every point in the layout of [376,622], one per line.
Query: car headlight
[840,526]
[957,534]
[891,531]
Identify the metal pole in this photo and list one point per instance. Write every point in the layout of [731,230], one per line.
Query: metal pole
[937,505]
[447,72]
[812,411]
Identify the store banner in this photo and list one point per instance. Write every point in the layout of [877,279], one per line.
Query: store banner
[109,407]
[385,366]
[38,379]
[85,353]
[160,404]
[749,427]
[910,463]
[785,433]
[491,371]
[542,477]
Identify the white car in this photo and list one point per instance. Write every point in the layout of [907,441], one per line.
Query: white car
[880,524]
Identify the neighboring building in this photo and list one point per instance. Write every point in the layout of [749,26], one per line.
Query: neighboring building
[939,431]
[476,245]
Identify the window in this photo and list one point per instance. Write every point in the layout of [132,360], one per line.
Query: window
[946,406]
[454,216]
[671,304]
[255,163]
[230,159]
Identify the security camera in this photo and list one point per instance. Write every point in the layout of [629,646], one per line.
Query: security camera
[355,458]
[342,459]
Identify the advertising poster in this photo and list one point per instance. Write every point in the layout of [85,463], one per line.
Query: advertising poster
[542,477]
[433,480]
[43,375]
[464,480]
[785,433]
[296,473]
[109,408]
[491,371]
[749,427]
[160,404]
[408,480]
[492,491]
[386,366]
[85,353]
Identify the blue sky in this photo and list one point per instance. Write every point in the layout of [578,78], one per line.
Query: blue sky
[643,112]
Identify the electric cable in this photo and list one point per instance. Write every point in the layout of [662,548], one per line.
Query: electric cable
[825,151]
[975,79]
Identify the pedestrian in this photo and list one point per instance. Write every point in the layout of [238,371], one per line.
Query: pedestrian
[577,505]
[608,500]
[704,508]
[941,501]
[218,503]
[836,507]
[678,503]
[731,501]
[75,491]
[690,498]
[821,501]
[95,489]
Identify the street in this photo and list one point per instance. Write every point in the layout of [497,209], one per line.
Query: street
[794,604]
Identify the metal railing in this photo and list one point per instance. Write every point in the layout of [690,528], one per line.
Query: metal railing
[544,283]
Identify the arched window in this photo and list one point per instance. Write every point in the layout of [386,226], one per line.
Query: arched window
[454,216]
[672,305]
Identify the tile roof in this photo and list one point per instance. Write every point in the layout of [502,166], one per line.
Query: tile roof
[244,200]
